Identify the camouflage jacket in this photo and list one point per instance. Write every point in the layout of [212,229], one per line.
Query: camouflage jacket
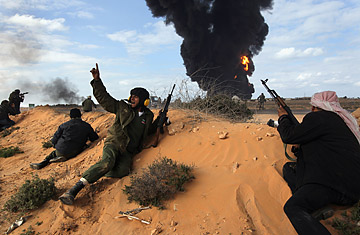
[87,104]
[117,133]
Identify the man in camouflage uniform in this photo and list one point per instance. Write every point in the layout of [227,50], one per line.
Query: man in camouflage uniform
[261,101]
[88,104]
[16,98]
[69,140]
[5,110]
[125,138]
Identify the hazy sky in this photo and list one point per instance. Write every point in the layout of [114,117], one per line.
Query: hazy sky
[312,46]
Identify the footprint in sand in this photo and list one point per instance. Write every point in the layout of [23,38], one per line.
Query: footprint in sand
[263,203]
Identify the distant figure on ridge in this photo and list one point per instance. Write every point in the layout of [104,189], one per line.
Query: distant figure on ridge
[5,110]
[261,101]
[88,104]
[16,98]
[328,162]
[125,138]
[69,140]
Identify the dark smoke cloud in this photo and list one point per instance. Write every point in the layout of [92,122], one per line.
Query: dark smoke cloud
[24,47]
[57,90]
[216,34]
[61,89]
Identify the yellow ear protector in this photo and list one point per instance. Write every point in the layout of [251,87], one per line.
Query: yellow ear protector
[146,102]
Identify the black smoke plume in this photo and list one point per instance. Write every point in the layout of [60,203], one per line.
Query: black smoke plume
[60,89]
[23,47]
[216,34]
[54,91]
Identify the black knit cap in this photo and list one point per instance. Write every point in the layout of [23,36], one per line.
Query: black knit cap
[75,113]
[142,93]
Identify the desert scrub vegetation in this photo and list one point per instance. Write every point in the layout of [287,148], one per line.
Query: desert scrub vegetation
[29,231]
[31,195]
[159,182]
[219,105]
[186,96]
[348,224]
[47,144]
[8,131]
[9,151]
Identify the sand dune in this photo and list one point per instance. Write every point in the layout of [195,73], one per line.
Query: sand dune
[238,187]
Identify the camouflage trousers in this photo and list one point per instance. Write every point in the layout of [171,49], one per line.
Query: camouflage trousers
[113,164]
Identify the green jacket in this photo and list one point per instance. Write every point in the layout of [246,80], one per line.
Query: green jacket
[87,105]
[117,133]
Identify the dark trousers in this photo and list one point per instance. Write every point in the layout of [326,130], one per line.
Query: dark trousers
[6,123]
[307,199]
[55,154]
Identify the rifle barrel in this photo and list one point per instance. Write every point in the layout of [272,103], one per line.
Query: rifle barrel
[280,102]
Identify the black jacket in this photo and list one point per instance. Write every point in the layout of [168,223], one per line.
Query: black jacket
[72,135]
[5,110]
[330,152]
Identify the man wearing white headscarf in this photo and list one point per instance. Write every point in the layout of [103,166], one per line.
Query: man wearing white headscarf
[328,161]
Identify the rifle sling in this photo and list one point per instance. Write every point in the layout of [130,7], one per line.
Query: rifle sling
[287,155]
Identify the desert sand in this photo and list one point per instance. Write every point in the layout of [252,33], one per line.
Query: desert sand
[238,188]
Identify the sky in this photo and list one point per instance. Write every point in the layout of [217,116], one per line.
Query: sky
[312,46]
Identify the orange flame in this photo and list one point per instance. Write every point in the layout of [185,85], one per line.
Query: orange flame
[235,77]
[245,61]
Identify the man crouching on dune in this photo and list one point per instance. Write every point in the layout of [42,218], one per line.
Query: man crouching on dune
[125,138]
[69,140]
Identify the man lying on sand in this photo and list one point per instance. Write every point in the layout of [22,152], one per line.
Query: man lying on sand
[328,161]
[125,138]
[69,140]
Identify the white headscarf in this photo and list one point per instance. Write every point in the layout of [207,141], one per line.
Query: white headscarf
[328,100]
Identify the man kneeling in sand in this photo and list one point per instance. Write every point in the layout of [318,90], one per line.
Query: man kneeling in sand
[125,138]
[69,140]
[328,162]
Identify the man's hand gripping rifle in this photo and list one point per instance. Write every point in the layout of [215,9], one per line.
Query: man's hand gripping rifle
[162,118]
[281,103]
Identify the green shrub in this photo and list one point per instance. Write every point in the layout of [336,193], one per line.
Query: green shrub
[10,151]
[31,195]
[47,144]
[355,212]
[159,182]
[29,231]
[347,225]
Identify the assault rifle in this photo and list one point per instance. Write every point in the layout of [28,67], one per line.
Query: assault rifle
[25,93]
[162,118]
[281,103]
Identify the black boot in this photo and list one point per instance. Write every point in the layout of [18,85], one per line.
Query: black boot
[38,166]
[68,197]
